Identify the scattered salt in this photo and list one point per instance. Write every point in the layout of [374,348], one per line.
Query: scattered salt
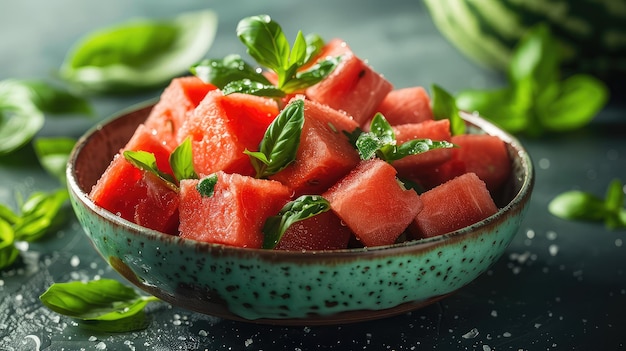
[494,313]
[101,346]
[471,334]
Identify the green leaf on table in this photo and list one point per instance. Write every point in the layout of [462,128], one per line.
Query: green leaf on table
[580,205]
[23,106]
[280,142]
[140,53]
[8,251]
[105,304]
[305,206]
[537,99]
[40,213]
[53,154]
[444,106]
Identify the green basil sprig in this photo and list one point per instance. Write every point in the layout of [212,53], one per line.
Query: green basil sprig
[37,216]
[23,106]
[280,142]
[180,160]
[139,54]
[305,206]
[580,205]
[380,142]
[105,305]
[537,99]
[267,44]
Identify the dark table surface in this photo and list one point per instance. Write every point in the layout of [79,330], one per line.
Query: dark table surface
[559,286]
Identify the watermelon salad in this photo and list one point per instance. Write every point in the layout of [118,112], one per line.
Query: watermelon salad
[317,152]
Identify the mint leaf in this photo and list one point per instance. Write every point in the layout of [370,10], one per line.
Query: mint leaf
[206,185]
[280,142]
[380,142]
[104,304]
[305,206]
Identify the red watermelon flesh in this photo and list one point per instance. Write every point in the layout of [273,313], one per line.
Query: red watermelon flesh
[135,195]
[413,166]
[324,154]
[405,106]
[372,202]
[453,205]
[353,87]
[322,232]
[236,212]
[180,97]
[223,126]
[486,155]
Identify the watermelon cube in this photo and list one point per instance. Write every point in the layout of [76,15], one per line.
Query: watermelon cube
[222,127]
[235,213]
[413,166]
[455,204]
[324,154]
[405,106]
[486,155]
[372,202]
[135,195]
[178,99]
[353,87]
[322,232]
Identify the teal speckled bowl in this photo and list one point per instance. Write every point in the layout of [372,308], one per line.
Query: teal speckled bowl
[291,288]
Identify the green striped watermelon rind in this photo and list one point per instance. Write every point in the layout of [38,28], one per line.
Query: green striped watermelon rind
[591,34]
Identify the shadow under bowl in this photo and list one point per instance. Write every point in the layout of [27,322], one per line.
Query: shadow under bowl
[288,287]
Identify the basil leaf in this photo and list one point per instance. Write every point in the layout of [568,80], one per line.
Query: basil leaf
[246,86]
[181,161]
[535,58]
[54,100]
[312,76]
[53,154]
[20,118]
[230,68]
[40,214]
[614,198]
[444,107]
[280,142]
[314,45]
[416,146]
[578,205]
[578,99]
[146,161]
[104,300]
[8,251]
[265,41]
[305,206]
[139,54]
[504,107]
[206,185]
[8,215]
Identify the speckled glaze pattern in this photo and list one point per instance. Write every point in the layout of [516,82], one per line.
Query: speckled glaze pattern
[302,288]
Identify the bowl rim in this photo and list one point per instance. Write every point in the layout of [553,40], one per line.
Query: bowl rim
[517,201]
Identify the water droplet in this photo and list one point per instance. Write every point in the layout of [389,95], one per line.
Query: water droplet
[553,249]
[471,334]
[74,261]
[544,163]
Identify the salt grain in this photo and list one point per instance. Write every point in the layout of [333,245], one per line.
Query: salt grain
[471,334]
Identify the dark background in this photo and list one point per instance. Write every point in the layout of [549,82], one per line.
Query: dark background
[559,286]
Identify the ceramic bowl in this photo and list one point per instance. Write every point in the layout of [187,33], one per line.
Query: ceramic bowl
[291,288]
